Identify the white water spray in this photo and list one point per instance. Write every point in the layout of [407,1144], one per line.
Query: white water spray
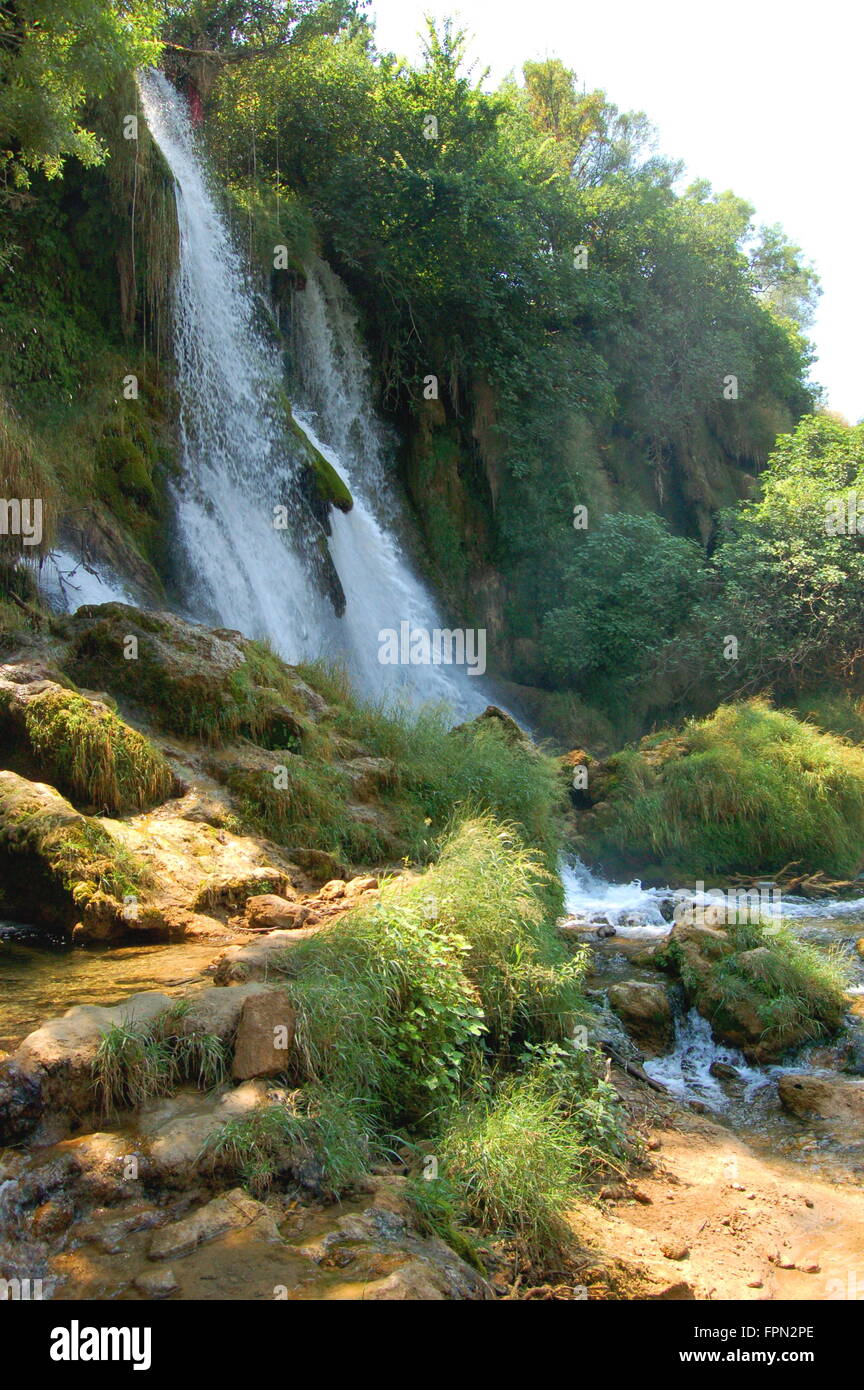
[239,462]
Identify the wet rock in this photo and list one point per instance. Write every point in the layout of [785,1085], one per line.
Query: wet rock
[156,1283]
[835,1098]
[393,1263]
[59,1056]
[646,1013]
[21,1102]
[265,1036]
[232,1211]
[723,1071]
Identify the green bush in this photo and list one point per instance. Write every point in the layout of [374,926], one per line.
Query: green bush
[747,789]
[93,755]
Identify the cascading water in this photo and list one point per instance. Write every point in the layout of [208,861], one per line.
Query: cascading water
[239,463]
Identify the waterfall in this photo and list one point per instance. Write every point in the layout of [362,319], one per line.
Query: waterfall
[241,461]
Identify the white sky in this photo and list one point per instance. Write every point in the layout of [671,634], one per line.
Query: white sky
[761,96]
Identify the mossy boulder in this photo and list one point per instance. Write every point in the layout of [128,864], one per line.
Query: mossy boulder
[749,789]
[81,746]
[760,988]
[202,682]
[58,867]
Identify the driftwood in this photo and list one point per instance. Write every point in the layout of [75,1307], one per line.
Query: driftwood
[807,885]
[631,1068]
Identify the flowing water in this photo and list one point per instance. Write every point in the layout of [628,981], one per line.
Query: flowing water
[241,461]
[714,1075]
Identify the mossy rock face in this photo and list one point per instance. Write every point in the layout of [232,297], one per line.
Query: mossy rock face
[319,472]
[81,746]
[58,867]
[747,790]
[204,683]
[760,989]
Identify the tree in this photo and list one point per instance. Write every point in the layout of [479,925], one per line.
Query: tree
[56,57]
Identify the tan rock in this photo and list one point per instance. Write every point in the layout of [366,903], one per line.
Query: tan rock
[233,1211]
[265,1036]
[271,912]
[646,1013]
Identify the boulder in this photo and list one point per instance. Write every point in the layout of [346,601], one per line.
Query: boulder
[58,1057]
[698,946]
[265,1036]
[57,866]
[379,1251]
[176,1131]
[271,912]
[232,1211]
[827,1098]
[646,1013]
[256,961]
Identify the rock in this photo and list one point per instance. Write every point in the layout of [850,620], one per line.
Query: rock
[233,891]
[54,862]
[230,1212]
[265,1036]
[255,961]
[216,1011]
[175,1132]
[319,864]
[646,1013]
[334,889]
[21,1102]
[675,1249]
[59,1056]
[723,1071]
[156,1283]
[834,1098]
[369,776]
[360,885]
[698,946]
[269,912]
[393,1263]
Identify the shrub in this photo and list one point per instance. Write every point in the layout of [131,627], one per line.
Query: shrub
[93,755]
[747,789]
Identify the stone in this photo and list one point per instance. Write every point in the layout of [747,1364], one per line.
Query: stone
[646,1013]
[232,1211]
[271,912]
[156,1283]
[265,1036]
[255,959]
[834,1098]
[675,1249]
[176,1131]
[59,1056]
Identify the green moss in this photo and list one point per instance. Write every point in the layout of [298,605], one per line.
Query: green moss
[89,752]
[748,789]
[770,991]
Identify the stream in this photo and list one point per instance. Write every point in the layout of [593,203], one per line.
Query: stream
[737,1093]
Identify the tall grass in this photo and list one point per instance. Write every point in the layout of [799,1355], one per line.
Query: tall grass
[749,788]
[93,755]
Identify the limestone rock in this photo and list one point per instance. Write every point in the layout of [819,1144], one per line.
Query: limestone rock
[265,1036]
[646,1013]
[226,1213]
